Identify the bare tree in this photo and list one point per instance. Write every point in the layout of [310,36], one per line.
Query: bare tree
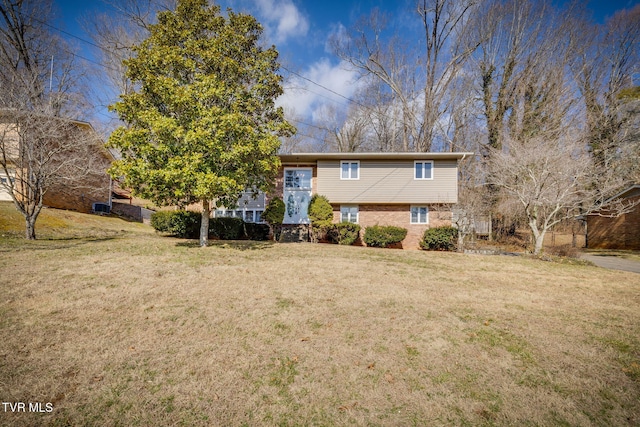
[419,80]
[552,179]
[605,76]
[39,145]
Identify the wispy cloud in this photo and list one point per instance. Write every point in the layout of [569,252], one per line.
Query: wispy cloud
[283,19]
[307,99]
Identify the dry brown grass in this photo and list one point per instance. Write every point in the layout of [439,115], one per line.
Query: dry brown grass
[144,330]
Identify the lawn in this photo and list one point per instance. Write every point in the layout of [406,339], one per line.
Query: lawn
[111,324]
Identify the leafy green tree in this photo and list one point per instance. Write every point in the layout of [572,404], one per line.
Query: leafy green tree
[321,216]
[202,124]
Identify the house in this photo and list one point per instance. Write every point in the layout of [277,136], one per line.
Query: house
[66,190]
[622,232]
[415,191]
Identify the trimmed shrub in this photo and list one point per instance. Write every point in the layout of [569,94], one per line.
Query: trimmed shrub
[321,216]
[274,211]
[343,233]
[226,228]
[185,224]
[439,239]
[161,220]
[256,231]
[381,236]
[274,215]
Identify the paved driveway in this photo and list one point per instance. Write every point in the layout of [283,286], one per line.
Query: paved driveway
[613,262]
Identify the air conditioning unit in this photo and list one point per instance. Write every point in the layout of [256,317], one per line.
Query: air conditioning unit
[101,208]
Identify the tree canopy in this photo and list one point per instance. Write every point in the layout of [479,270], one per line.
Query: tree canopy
[201,122]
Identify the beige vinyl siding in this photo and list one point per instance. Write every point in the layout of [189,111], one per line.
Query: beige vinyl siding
[389,182]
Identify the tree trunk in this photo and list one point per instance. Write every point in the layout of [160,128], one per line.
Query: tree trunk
[30,228]
[204,224]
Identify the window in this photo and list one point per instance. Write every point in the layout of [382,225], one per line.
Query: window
[349,170]
[419,215]
[297,178]
[349,214]
[423,169]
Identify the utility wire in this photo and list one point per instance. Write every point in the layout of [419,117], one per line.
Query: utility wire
[351,100]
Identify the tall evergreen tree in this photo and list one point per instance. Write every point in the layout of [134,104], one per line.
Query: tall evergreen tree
[201,124]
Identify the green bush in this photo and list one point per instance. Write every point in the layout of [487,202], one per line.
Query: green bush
[185,224]
[274,215]
[344,233]
[226,228]
[161,220]
[439,239]
[321,216]
[380,236]
[256,231]
[274,212]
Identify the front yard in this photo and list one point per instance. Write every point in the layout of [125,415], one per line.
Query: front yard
[128,328]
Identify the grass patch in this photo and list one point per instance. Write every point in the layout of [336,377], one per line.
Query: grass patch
[138,329]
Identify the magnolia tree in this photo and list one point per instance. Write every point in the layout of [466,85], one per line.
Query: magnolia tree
[201,124]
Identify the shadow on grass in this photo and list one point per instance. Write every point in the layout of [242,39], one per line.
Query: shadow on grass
[239,245]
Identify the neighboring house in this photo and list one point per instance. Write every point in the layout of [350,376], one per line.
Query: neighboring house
[622,232]
[81,194]
[250,208]
[415,191]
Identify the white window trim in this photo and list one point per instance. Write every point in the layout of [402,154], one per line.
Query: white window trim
[357,213]
[349,162]
[411,216]
[414,170]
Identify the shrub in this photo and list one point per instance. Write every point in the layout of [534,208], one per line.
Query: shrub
[185,224]
[160,221]
[256,231]
[274,211]
[439,239]
[274,215]
[344,233]
[381,236]
[226,228]
[321,215]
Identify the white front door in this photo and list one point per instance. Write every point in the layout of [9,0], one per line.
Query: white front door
[297,194]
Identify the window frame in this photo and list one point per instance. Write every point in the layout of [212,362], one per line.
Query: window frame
[350,170]
[415,169]
[291,169]
[357,219]
[418,207]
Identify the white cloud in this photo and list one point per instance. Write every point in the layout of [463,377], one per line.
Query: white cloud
[283,19]
[310,100]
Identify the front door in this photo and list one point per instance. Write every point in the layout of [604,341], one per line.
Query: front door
[297,194]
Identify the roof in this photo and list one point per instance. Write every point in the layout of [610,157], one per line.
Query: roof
[312,157]
[625,193]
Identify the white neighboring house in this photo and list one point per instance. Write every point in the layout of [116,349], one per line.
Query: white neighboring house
[4,194]
[249,208]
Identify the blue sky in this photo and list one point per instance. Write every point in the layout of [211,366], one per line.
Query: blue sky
[300,29]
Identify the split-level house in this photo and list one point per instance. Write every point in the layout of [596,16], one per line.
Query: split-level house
[415,191]
[80,193]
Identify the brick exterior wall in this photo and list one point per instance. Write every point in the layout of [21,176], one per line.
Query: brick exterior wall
[399,216]
[93,188]
[622,232]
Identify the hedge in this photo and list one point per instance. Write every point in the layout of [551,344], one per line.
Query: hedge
[381,236]
[439,239]
[343,233]
[186,224]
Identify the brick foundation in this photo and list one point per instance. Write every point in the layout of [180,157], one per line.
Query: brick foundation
[399,216]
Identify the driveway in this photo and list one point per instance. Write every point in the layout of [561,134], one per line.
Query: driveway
[613,262]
